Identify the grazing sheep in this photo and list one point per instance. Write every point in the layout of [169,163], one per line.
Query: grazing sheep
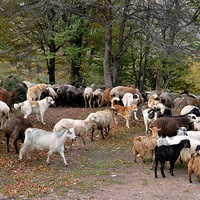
[106,99]
[40,139]
[81,127]
[4,111]
[15,126]
[88,95]
[103,120]
[169,125]
[97,95]
[194,165]
[145,144]
[169,153]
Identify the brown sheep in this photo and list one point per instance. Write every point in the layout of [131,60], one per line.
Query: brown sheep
[15,126]
[194,166]
[144,144]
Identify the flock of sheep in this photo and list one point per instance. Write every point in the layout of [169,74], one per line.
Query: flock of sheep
[173,119]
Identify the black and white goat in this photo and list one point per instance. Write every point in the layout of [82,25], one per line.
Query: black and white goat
[40,139]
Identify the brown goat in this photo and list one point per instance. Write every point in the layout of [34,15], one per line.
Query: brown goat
[194,166]
[144,144]
[16,127]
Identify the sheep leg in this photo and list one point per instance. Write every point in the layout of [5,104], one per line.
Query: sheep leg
[83,142]
[92,134]
[102,134]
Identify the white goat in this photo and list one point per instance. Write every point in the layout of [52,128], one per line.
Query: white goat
[81,127]
[40,139]
[88,95]
[4,110]
[103,120]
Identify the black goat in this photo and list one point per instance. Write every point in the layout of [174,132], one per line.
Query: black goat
[169,153]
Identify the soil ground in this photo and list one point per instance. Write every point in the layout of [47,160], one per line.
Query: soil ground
[105,171]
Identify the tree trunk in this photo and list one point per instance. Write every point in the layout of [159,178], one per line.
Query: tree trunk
[121,39]
[107,56]
[51,62]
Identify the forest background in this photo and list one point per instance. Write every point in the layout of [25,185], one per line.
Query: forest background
[153,44]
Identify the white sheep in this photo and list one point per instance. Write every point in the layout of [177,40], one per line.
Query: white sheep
[103,120]
[88,95]
[192,134]
[185,154]
[81,127]
[187,109]
[41,139]
[4,110]
[97,95]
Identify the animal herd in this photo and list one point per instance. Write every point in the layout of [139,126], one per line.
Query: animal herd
[171,121]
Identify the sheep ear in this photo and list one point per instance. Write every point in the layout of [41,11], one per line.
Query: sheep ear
[150,129]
